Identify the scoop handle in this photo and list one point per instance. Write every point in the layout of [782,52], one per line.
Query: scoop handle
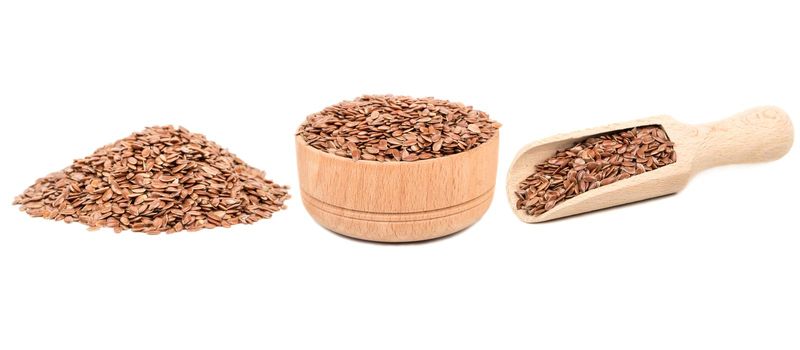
[757,135]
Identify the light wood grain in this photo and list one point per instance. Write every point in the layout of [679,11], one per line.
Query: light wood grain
[397,201]
[756,135]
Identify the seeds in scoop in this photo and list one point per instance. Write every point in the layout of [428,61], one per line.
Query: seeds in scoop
[179,181]
[397,128]
[595,162]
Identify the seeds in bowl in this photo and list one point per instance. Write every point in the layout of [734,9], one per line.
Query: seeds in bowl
[597,161]
[397,128]
[161,179]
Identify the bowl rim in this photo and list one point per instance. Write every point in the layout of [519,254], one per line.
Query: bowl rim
[301,141]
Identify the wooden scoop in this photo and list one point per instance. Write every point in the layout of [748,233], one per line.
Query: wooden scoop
[757,135]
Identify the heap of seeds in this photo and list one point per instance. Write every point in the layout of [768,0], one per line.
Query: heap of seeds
[397,128]
[159,180]
[595,162]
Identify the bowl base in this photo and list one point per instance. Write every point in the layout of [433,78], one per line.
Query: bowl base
[398,227]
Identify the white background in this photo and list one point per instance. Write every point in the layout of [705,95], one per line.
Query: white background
[716,266]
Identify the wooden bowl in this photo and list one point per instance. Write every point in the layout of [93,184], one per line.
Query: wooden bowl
[397,201]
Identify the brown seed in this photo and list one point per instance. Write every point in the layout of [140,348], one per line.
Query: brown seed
[355,154]
[107,195]
[217,215]
[395,154]
[33,205]
[411,157]
[607,181]
[437,146]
